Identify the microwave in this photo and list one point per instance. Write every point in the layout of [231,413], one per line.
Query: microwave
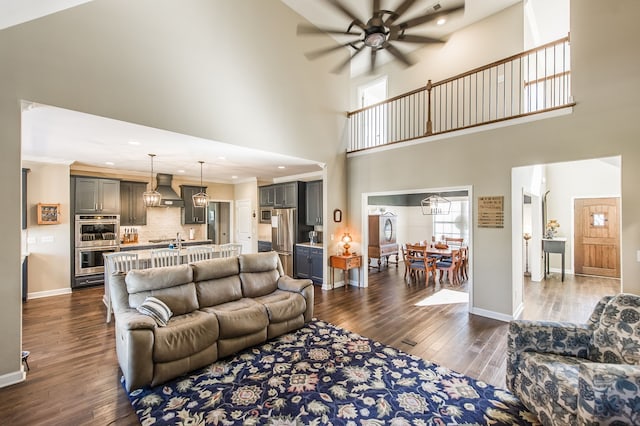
[265,215]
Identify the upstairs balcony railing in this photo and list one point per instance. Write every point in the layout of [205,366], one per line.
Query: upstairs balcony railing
[535,81]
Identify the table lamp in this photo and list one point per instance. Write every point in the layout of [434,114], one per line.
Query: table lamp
[346,239]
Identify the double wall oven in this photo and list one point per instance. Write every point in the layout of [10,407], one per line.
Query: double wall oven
[95,235]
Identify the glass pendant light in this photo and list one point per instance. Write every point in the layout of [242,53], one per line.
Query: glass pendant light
[151,198]
[201,198]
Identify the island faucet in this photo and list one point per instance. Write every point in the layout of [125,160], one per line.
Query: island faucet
[178,241]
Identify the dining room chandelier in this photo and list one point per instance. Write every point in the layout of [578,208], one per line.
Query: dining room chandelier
[435,204]
[151,198]
[201,198]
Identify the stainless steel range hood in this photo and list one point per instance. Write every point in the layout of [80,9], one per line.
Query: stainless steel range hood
[169,196]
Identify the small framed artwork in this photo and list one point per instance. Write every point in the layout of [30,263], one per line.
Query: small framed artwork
[48,214]
[337,215]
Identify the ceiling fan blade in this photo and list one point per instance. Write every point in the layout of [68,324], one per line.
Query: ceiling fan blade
[398,54]
[342,8]
[399,11]
[340,67]
[314,54]
[400,36]
[419,20]
[304,29]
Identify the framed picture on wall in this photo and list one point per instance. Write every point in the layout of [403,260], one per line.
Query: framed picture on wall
[48,214]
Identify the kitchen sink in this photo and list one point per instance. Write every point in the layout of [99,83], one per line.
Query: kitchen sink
[165,240]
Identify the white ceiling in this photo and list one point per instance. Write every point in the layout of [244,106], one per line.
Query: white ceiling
[57,135]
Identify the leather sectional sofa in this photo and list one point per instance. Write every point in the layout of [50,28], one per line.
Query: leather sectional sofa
[219,306]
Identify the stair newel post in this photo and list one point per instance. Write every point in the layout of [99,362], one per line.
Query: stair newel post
[429,130]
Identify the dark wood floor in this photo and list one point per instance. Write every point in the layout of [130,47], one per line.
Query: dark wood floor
[74,377]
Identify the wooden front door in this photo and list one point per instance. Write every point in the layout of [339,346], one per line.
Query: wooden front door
[597,236]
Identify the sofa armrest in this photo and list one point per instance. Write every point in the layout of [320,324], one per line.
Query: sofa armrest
[302,286]
[291,284]
[608,393]
[560,338]
[134,320]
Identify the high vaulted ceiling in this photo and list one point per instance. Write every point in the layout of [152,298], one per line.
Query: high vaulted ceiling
[53,134]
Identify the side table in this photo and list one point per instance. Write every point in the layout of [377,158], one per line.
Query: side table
[345,263]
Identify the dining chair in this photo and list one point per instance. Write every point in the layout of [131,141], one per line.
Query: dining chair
[418,261]
[450,267]
[197,253]
[117,263]
[464,263]
[455,242]
[230,250]
[164,257]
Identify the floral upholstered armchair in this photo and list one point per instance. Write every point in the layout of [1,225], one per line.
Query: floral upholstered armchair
[580,374]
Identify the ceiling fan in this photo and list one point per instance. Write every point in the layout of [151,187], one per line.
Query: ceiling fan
[379,31]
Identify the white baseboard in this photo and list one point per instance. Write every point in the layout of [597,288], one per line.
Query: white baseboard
[13,378]
[48,293]
[490,314]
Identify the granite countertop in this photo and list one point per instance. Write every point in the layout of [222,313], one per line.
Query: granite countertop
[312,245]
[139,245]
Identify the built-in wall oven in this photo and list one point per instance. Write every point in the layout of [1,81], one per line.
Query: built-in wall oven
[95,235]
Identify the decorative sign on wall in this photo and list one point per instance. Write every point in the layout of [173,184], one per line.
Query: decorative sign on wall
[48,214]
[491,212]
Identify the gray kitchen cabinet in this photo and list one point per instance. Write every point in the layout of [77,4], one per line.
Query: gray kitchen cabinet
[314,203]
[309,263]
[192,215]
[132,209]
[95,195]
[286,195]
[267,194]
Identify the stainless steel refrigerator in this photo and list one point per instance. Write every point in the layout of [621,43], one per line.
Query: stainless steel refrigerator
[218,222]
[283,236]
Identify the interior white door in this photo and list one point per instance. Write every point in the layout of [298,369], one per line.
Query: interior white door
[244,229]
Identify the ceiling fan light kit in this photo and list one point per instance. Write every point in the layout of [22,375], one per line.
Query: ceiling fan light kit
[380,30]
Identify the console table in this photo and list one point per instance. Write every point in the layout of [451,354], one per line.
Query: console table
[554,245]
[345,263]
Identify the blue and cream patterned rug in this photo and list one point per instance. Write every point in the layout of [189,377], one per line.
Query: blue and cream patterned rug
[325,375]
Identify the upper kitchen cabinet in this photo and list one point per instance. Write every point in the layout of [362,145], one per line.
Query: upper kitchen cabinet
[132,209]
[280,195]
[192,215]
[286,195]
[267,196]
[314,203]
[97,196]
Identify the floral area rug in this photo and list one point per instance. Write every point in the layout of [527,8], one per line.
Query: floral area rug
[325,375]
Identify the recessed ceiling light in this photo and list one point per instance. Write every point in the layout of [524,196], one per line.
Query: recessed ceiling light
[181,171]
[110,163]
[281,167]
[222,158]
[132,142]
[234,177]
[441,21]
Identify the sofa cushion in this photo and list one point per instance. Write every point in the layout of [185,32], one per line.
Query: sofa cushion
[181,299]
[259,273]
[239,318]
[556,376]
[283,305]
[139,280]
[212,269]
[184,336]
[616,337]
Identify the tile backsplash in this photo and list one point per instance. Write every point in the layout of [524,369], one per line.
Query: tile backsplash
[164,223]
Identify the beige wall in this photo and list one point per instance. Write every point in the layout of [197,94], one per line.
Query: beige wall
[48,245]
[604,123]
[170,65]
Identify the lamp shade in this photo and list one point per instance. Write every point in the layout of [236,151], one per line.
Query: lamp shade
[346,239]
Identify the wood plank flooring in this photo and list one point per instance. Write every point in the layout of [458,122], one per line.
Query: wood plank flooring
[75,379]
